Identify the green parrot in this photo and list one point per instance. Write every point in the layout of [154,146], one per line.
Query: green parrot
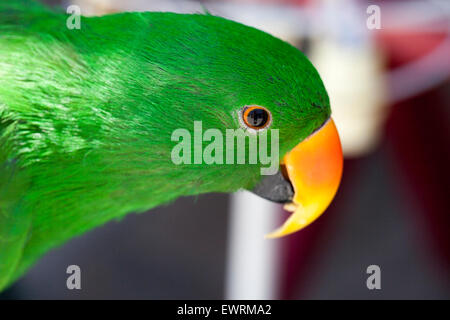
[87,117]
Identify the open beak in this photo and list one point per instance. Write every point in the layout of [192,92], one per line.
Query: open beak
[314,170]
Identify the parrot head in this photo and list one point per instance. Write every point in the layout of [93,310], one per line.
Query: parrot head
[227,76]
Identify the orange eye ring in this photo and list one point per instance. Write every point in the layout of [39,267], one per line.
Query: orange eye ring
[256,117]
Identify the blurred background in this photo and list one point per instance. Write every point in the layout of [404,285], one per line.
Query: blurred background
[386,66]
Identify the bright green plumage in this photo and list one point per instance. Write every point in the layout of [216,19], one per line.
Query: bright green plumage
[86,115]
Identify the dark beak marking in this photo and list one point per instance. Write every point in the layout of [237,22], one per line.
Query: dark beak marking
[275,188]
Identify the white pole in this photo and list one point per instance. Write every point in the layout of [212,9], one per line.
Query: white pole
[252,262]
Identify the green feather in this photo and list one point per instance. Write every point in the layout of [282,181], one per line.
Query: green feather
[86,115]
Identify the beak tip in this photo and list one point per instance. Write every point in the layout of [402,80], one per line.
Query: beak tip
[273,235]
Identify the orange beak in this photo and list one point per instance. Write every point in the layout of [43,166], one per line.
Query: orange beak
[314,168]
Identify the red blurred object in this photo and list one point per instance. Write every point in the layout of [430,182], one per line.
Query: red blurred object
[406,46]
[418,130]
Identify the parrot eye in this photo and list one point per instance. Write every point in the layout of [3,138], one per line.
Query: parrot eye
[256,117]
